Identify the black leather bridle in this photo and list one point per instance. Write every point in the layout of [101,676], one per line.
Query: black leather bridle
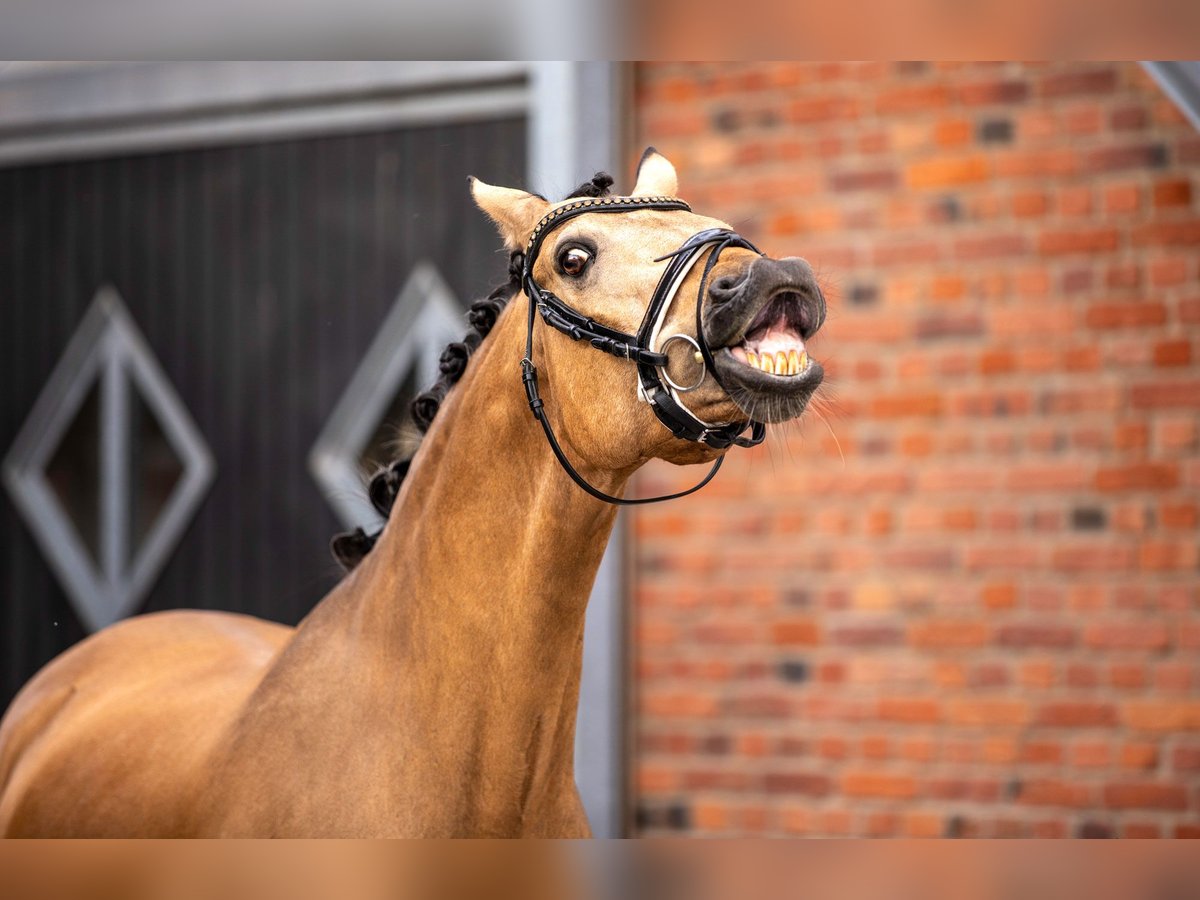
[654,385]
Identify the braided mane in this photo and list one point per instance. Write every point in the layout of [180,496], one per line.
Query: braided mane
[350,547]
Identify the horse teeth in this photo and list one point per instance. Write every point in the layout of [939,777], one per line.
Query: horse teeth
[781,363]
[793,362]
[767,364]
[752,358]
[803,361]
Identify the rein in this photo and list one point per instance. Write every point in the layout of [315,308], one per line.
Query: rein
[654,384]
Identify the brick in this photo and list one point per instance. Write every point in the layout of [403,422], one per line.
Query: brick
[1172,192]
[1037,635]
[807,784]
[1162,715]
[1075,201]
[1124,275]
[1129,675]
[999,595]
[678,704]
[1179,515]
[1167,234]
[993,92]
[948,634]
[952,132]
[1077,714]
[912,98]
[1141,314]
[713,779]
[1030,204]
[864,180]
[1168,555]
[943,172]
[909,710]
[1173,678]
[876,747]
[1093,558]
[1149,636]
[943,325]
[905,251]
[996,131]
[1037,164]
[1145,795]
[1080,240]
[1042,753]
[1165,395]
[1138,476]
[1094,81]
[1121,158]
[1123,198]
[923,825]
[1091,755]
[1176,435]
[979,790]
[988,712]
[710,816]
[1186,758]
[1172,353]
[758,705]
[1139,756]
[1129,118]
[991,246]
[1052,792]
[1169,271]
[877,635]
[907,404]
[806,111]
[652,779]
[833,748]
[879,784]
[1038,674]
[795,633]
[1063,477]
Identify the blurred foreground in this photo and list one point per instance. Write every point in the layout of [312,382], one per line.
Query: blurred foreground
[561,871]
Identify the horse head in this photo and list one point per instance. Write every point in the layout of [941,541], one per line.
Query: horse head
[726,343]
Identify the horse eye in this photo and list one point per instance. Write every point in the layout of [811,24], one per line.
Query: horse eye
[574,260]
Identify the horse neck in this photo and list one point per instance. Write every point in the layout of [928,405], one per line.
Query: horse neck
[479,584]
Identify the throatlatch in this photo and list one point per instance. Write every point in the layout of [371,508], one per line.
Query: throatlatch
[654,385]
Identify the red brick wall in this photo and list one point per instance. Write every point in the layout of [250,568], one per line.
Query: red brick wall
[986,620]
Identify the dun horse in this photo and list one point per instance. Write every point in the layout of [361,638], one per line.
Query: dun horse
[433,692]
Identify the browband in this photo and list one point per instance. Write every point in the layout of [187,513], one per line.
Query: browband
[653,384]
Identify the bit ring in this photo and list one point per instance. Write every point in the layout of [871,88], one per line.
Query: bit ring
[667,377]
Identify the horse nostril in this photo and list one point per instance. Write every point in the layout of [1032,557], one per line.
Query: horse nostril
[725,288]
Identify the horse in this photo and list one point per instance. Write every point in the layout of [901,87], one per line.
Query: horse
[433,691]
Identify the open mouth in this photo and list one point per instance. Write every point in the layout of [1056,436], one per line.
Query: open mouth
[766,362]
[774,339]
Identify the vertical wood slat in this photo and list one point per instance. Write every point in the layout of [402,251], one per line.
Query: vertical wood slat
[259,276]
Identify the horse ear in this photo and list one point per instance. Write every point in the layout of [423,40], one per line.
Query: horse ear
[655,175]
[514,212]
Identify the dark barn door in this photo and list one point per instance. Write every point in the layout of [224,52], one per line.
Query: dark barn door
[259,277]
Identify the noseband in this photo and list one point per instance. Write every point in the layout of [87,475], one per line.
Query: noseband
[654,384]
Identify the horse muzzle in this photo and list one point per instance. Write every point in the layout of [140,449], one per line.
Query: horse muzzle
[758,324]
